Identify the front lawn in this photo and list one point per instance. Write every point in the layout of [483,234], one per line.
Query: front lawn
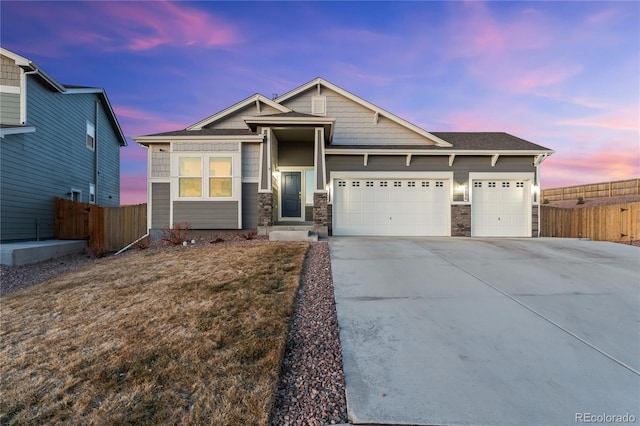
[190,336]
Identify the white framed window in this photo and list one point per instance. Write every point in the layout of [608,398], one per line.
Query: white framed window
[198,176]
[75,194]
[92,193]
[190,177]
[91,136]
[309,186]
[220,177]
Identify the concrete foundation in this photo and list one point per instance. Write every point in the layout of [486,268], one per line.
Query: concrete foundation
[24,253]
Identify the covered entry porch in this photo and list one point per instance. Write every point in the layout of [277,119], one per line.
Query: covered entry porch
[292,188]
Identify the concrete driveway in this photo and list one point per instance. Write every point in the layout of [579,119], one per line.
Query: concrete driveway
[467,331]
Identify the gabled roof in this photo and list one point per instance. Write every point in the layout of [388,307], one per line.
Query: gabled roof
[64,89]
[320,82]
[257,98]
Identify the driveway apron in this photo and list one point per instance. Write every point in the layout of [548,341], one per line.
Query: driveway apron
[466,331]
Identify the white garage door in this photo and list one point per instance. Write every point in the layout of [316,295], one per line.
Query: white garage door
[501,208]
[391,207]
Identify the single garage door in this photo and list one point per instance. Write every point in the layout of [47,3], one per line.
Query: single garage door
[501,208]
[410,207]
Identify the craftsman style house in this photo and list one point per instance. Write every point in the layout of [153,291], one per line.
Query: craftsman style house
[56,140]
[321,156]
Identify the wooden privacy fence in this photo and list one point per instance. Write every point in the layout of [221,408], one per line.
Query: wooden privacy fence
[614,222]
[594,190]
[106,228]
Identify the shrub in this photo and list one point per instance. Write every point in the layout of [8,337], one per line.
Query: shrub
[580,200]
[177,234]
[545,201]
[251,234]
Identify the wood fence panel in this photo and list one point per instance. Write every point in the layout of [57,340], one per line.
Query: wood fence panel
[106,228]
[124,225]
[594,190]
[614,222]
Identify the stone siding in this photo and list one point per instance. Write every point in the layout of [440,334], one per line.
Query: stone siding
[320,209]
[265,209]
[534,221]
[461,220]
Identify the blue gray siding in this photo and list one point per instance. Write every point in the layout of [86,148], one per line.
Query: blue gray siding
[160,204]
[460,168]
[37,167]
[355,124]
[249,205]
[206,214]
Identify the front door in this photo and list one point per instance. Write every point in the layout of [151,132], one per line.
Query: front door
[291,194]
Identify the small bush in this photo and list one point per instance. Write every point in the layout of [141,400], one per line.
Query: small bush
[580,200]
[545,201]
[144,243]
[217,238]
[251,234]
[177,234]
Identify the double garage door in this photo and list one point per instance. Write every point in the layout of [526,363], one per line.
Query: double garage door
[422,207]
[409,207]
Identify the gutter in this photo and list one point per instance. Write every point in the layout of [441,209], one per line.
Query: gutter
[129,246]
[95,157]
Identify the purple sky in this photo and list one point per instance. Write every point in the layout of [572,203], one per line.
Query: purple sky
[564,75]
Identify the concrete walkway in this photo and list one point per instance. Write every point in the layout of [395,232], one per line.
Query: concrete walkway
[468,331]
[23,253]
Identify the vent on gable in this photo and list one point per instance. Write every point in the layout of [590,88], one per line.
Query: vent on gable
[318,105]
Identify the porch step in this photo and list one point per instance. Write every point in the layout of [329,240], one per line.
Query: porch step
[295,235]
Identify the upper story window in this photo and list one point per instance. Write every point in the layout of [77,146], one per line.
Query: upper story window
[91,136]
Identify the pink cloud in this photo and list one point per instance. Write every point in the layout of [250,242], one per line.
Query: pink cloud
[602,16]
[136,122]
[135,26]
[575,167]
[133,188]
[542,77]
[625,119]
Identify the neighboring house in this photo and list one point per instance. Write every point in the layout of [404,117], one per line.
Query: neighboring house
[56,140]
[322,155]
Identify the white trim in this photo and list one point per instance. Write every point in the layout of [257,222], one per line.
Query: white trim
[21,61]
[494,159]
[385,151]
[288,120]
[23,96]
[236,175]
[235,108]
[452,158]
[391,175]
[228,138]
[319,81]
[366,159]
[14,90]
[408,160]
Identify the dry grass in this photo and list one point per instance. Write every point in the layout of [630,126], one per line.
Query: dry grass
[191,336]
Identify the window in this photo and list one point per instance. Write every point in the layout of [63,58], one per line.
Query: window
[397,184]
[190,177]
[355,183]
[439,184]
[92,193]
[220,178]
[383,184]
[491,184]
[309,186]
[505,184]
[75,195]
[369,183]
[425,184]
[477,184]
[342,183]
[519,184]
[411,184]
[91,136]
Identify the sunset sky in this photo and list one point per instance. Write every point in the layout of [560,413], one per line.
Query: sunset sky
[564,75]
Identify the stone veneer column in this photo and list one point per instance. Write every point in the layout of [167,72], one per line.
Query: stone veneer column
[534,221]
[320,210]
[265,209]
[461,220]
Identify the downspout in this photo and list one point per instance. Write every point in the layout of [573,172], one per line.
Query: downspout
[95,157]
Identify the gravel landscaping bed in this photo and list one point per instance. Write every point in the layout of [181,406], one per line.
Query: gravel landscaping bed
[311,390]
[311,387]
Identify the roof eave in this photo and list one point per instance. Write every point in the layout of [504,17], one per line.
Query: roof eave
[147,140]
[437,151]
